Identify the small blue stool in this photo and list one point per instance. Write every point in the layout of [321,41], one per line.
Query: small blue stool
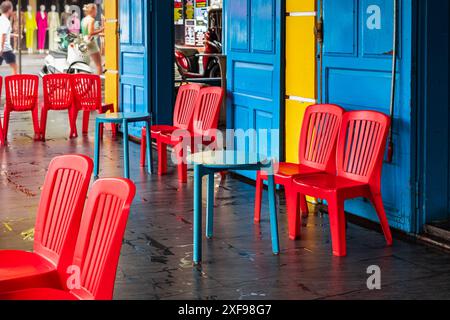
[123,119]
[207,164]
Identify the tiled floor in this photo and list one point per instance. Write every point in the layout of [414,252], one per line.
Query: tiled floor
[156,255]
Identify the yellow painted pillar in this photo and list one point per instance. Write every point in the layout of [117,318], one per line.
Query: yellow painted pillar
[300,69]
[111,53]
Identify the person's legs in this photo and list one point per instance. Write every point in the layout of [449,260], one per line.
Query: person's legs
[97,58]
[14,68]
[10,58]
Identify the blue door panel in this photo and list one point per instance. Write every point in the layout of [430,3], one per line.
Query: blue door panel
[263,15]
[357,66]
[134,74]
[253,48]
[342,40]
[238,24]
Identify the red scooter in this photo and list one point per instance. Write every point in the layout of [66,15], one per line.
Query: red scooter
[188,60]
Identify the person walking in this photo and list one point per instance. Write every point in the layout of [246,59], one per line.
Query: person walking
[90,33]
[6,50]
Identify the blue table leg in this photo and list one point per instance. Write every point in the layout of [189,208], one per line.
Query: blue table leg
[197,228]
[273,215]
[149,147]
[96,149]
[210,207]
[126,156]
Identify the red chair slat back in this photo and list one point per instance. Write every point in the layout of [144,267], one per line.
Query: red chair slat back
[361,145]
[207,110]
[321,124]
[100,238]
[58,93]
[22,92]
[87,90]
[61,207]
[185,105]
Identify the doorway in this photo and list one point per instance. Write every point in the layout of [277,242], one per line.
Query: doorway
[433,165]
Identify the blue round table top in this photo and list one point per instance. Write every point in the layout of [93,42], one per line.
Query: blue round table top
[229,159]
[120,116]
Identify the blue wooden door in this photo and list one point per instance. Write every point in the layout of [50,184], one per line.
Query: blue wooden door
[357,66]
[253,48]
[134,56]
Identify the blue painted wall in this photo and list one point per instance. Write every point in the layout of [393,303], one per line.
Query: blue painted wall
[357,75]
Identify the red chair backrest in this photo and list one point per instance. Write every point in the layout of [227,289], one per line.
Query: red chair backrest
[58,93]
[321,124]
[87,89]
[61,207]
[185,105]
[22,92]
[361,145]
[100,238]
[207,110]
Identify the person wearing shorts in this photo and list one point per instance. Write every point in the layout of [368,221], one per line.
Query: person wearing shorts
[6,51]
[90,33]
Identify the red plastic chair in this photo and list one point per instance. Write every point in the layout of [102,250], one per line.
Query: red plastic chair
[204,127]
[204,124]
[57,225]
[206,115]
[22,96]
[360,152]
[317,146]
[2,139]
[58,95]
[182,120]
[87,90]
[98,246]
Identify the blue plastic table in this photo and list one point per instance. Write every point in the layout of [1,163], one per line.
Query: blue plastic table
[210,162]
[124,119]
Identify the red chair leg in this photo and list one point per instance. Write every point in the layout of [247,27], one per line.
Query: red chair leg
[294,216]
[110,108]
[162,157]
[377,201]
[2,138]
[143,146]
[102,127]
[304,206]
[182,166]
[44,113]
[37,131]
[258,195]
[337,225]
[114,130]
[73,115]
[86,115]
[6,124]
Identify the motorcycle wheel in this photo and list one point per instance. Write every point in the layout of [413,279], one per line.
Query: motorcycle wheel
[214,72]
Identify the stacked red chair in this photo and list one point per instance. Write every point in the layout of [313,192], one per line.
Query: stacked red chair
[57,225]
[22,96]
[203,128]
[206,117]
[58,96]
[317,146]
[182,120]
[87,90]
[97,251]
[360,153]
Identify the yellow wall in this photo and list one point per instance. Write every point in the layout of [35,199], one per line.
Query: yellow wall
[300,69]
[111,53]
